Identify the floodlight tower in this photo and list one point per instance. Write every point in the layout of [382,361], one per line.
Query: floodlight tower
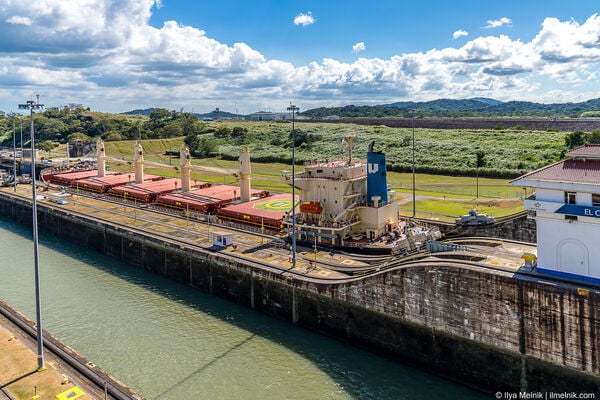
[35,105]
[293,109]
[14,156]
[414,193]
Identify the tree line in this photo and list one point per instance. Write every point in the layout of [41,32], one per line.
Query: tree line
[70,123]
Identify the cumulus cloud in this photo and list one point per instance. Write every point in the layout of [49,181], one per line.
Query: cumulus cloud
[496,23]
[304,19]
[459,33]
[17,20]
[106,54]
[360,46]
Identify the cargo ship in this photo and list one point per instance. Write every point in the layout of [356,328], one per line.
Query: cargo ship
[348,204]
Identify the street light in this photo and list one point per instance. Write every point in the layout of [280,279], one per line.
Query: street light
[31,105]
[413,167]
[293,110]
[14,157]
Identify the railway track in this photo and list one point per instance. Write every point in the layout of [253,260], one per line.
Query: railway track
[377,265]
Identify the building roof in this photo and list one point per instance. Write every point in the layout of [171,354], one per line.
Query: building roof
[585,151]
[585,171]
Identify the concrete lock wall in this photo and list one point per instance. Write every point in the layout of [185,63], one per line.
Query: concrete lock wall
[518,227]
[488,330]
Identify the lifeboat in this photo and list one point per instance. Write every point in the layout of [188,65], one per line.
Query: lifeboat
[311,207]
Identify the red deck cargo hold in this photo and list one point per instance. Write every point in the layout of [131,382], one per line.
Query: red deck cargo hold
[205,200]
[104,184]
[266,212]
[147,192]
[67,178]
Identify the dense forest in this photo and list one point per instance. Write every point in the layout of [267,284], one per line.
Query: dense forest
[479,107]
[56,125]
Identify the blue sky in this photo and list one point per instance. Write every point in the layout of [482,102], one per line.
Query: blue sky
[118,55]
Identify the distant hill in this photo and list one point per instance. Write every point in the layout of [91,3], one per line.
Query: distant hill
[487,100]
[215,114]
[145,112]
[475,107]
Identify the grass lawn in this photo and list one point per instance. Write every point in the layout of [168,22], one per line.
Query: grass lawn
[447,210]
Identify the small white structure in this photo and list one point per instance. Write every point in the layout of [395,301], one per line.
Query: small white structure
[567,209]
[222,239]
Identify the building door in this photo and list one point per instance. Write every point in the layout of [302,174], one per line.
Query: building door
[573,258]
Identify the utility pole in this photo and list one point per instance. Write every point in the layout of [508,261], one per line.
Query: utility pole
[31,105]
[293,109]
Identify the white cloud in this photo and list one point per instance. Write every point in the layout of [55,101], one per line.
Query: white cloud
[460,33]
[304,19]
[17,20]
[496,23]
[105,54]
[360,46]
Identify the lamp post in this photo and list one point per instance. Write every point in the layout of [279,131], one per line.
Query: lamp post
[14,157]
[293,109]
[32,105]
[413,167]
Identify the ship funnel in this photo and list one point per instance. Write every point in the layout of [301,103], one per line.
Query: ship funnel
[101,157]
[138,157]
[245,170]
[376,176]
[184,163]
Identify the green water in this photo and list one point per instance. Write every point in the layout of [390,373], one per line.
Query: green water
[168,341]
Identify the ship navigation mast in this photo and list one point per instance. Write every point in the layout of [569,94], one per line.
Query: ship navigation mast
[347,144]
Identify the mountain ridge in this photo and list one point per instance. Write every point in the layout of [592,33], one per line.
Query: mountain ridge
[473,107]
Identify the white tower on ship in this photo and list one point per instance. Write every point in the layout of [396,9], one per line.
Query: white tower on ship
[184,163]
[245,174]
[138,157]
[101,155]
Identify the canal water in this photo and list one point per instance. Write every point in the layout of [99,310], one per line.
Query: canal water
[168,341]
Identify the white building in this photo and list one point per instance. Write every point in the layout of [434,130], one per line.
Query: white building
[274,116]
[567,209]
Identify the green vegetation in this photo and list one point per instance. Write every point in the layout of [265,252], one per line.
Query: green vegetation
[461,108]
[579,138]
[76,122]
[508,152]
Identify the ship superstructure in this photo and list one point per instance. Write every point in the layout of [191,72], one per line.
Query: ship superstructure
[346,203]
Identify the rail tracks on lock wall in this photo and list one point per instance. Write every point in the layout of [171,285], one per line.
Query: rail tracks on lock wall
[379,265]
